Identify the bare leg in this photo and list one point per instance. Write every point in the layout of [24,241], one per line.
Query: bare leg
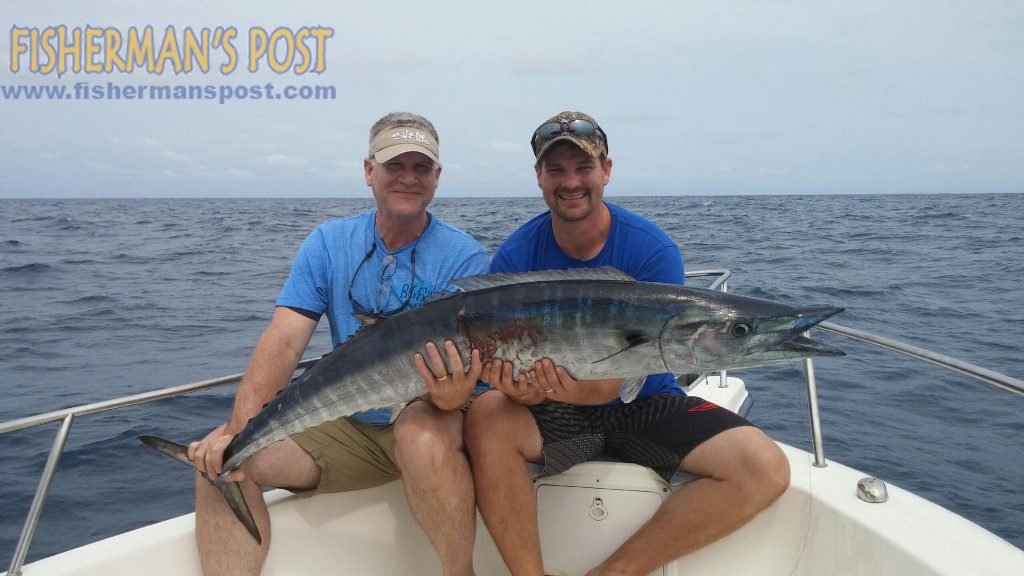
[742,472]
[502,436]
[225,547]
[438,482]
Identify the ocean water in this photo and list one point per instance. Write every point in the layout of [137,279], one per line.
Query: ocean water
[104,298]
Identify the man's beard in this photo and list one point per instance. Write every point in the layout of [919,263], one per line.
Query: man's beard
[576,213]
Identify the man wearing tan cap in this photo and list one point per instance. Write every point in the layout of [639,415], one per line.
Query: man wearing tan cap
[548,418]
[373,264]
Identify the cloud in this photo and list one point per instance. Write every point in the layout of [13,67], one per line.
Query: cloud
[642,117]
[163,151]
[278,159]
[502,147]
[351,165]
[176,156]
[544,61]
[103,167]
[706,91]
[239,174]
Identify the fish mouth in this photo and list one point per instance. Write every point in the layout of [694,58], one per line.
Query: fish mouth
[804,346]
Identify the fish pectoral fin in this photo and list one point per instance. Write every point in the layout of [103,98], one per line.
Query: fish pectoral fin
[168,448]
[632,343]
[232,492]
[395,410]
[630,388]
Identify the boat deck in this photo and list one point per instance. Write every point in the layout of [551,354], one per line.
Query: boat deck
[819,526]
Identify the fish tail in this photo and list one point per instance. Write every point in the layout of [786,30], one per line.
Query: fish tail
[231,491]
[169,449]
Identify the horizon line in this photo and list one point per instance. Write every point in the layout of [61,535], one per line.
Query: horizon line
[445,196]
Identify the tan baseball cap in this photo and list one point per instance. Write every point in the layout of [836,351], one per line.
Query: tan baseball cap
[576,127]
[397,140]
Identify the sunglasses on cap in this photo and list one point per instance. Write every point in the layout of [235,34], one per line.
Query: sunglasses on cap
[580,127]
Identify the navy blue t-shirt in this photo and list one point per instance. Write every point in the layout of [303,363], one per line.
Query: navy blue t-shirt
[635,245]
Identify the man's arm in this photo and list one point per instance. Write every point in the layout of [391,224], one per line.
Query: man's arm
[277,354]
[275,359]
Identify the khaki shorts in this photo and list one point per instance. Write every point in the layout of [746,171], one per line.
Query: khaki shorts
[352,455]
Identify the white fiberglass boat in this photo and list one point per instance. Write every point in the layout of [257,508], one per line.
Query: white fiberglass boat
[832,520]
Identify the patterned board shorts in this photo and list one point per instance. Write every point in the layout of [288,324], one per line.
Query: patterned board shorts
[657,432]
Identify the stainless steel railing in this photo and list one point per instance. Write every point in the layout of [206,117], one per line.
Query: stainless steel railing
[1007,383]
[67,415]
[1003,381]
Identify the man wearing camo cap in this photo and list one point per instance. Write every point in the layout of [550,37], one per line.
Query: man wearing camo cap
[546,417]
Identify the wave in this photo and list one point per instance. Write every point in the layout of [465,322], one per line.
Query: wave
[91,299]
[33,268]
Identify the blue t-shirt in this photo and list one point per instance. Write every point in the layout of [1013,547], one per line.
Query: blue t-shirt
[635,245]
[327,262]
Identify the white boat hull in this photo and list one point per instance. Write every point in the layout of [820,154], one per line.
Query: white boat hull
[818,527]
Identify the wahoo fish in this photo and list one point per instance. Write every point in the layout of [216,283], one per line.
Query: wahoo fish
[596,322]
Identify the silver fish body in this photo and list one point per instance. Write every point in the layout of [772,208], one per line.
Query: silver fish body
[597,324]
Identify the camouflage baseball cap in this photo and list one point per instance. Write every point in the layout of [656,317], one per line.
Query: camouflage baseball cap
[576,127]
[396,140]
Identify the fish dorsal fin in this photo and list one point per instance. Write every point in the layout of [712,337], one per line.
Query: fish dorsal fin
[481,281]
[367,319]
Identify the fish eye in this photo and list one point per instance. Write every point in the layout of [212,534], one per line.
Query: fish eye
[741,330]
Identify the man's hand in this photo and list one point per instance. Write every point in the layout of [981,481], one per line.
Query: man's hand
[547,381]
[444,390]
[208,454]
[522,388]
[555,382]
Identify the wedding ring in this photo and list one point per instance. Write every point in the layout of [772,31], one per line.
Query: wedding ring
[548,390]
[442,378]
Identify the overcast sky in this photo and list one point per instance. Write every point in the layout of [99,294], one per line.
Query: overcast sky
[697,97]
